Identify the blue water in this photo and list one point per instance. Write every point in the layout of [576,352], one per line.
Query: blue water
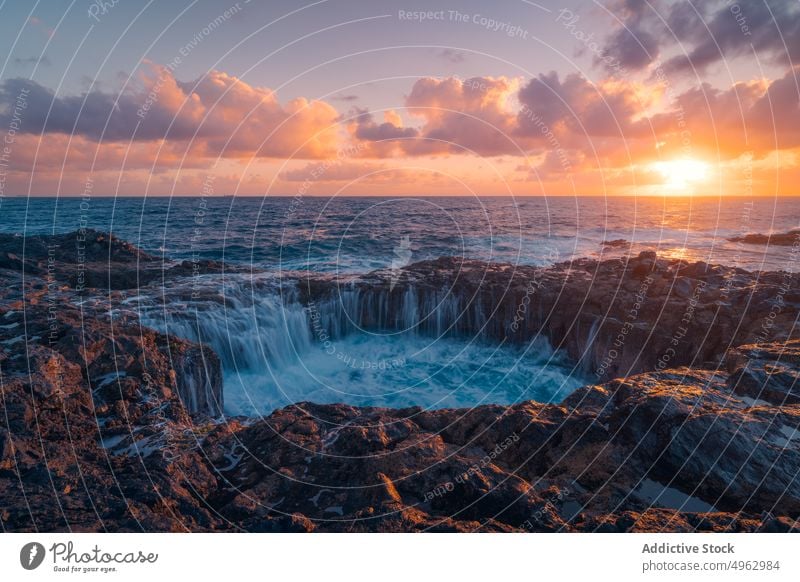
[353,235]
[272,358]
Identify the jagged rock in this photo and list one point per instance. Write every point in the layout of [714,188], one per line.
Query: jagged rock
[615,317]
[87,258]
[107,425]
[766,372]
[618,243]
[786,239]
[578,466]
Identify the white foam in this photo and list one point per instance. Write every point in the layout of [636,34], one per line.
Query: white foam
[276,352]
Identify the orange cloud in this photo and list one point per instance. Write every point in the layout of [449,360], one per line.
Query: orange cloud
[218,114]
[458,117]
[550,126]
[750,117]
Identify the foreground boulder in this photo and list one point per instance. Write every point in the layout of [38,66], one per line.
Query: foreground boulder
[666,451]
[663,451]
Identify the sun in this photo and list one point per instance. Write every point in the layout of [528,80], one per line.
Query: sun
[682,175]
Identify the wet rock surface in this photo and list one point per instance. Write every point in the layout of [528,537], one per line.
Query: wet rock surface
[766,372]
[110,426]
[784,239]
[639,455]
[614,317]
[77,382]
[92,259]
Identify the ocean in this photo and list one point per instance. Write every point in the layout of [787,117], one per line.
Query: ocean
[355,235]
[272,355]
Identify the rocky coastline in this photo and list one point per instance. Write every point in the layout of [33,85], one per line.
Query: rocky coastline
[693,423]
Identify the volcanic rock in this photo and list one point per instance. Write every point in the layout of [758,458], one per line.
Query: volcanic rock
[785,239]
[108,425]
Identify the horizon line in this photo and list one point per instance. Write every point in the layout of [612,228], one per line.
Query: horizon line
[410,196]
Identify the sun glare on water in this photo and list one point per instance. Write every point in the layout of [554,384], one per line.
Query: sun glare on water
[680,176]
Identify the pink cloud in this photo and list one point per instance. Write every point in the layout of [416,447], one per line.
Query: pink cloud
[220,114]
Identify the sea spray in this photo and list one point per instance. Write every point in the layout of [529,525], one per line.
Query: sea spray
[369,348]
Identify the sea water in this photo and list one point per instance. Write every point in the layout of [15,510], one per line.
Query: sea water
[275,351]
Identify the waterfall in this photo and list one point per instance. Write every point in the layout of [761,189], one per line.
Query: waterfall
[251,324]
[278,345]
[243,328]
[437,313]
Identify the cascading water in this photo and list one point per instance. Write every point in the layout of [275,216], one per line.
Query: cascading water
[367,347]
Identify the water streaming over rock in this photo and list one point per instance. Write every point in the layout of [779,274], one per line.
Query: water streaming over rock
[404,346]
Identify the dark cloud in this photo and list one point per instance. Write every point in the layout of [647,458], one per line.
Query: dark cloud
[638,38]
[770,28]
[453,56]
[630,48]
[686,22]
[95,115]
[219,112]
[707,32]
[368,129]
[569,119]
[576,104]
[543,97]
[634,10]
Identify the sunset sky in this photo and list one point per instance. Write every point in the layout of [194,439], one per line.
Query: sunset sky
[369,98]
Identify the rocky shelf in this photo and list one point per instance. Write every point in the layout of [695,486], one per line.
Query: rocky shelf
[781,239]
[110,426]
